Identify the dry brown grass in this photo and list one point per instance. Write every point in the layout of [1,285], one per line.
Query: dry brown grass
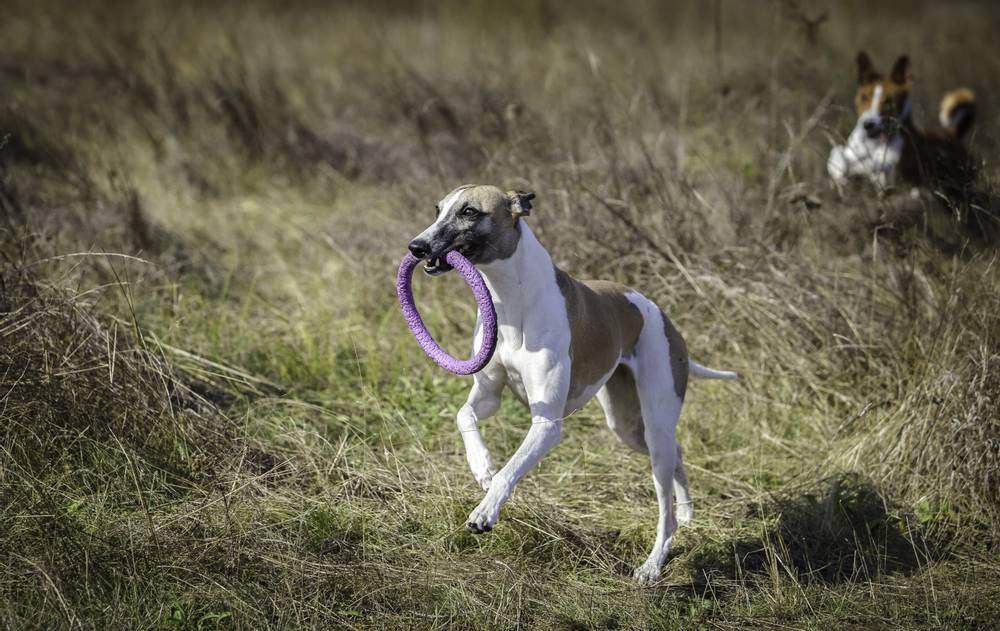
[215,418]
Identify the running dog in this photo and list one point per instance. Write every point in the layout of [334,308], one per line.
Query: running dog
[560,343]
[885,141]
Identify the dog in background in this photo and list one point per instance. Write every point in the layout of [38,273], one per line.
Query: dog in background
[885,144]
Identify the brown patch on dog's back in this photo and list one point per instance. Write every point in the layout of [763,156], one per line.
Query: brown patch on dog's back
[604,326]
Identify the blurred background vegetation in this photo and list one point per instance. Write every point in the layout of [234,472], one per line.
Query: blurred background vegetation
[212,415]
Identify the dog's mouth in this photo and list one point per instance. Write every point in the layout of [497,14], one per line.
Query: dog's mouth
[435,266]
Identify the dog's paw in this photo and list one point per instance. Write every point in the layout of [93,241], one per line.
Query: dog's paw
[485,478]
[483,518]
[482,469]
[647,573]
[477,528]
[685,513]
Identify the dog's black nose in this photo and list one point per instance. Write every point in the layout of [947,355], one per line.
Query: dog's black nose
[870,125]
[419,248]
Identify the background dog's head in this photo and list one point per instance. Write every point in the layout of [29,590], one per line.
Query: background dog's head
[882,104]
[481,222]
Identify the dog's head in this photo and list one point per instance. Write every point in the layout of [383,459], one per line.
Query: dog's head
[481,222]
[882,104]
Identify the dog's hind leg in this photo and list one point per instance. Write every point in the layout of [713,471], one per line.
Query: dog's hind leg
[483,402]
[685,510]
[660,398]
[620,400]
[660,421]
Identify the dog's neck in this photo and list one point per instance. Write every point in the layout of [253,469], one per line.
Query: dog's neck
[519,278]
[906,126]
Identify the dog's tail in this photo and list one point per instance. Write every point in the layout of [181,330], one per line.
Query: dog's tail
[701,372]
[958,111]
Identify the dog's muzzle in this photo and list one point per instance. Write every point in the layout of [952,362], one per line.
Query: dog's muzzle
[872,128]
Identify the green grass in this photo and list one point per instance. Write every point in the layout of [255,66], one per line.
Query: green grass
[213,416]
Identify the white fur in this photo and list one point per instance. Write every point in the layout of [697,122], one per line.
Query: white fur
[446,205]
[661,409]
[533,355]
[526,296]
[443,209]
[701,372]
[874,158]
[952,117]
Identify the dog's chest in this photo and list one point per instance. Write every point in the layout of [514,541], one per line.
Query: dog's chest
[875,155]
[512,359]
[522,356]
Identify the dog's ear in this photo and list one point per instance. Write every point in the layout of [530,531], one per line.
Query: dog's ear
[520,202]
[901,73]
[866,71]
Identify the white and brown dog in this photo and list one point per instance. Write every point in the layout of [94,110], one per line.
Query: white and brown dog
[560,343]
[885,142]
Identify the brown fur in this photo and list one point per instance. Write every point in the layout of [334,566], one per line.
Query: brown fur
[491,232]
[501,235]
[958,111]
[602,322]
[934,159]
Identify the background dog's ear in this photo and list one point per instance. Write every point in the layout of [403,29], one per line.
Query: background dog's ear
[520,202]
[901,71]
[866,71]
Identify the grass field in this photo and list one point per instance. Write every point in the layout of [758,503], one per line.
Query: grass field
[213,416]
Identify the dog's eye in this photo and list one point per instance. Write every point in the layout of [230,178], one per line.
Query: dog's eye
[469,211]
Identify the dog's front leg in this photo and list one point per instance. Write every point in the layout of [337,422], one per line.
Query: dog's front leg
[546,382]
[483,402]
[838,166]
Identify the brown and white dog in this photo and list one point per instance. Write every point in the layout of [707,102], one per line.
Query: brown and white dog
[885,143]
[560,343]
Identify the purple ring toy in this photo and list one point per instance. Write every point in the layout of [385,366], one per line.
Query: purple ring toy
[487,315]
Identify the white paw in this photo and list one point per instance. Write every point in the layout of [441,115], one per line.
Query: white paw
[486,478]
[484,517]
[483,470]
[685,513]
[837,165]
[648,572]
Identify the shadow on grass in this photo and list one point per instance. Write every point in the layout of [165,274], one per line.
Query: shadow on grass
[841,531]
